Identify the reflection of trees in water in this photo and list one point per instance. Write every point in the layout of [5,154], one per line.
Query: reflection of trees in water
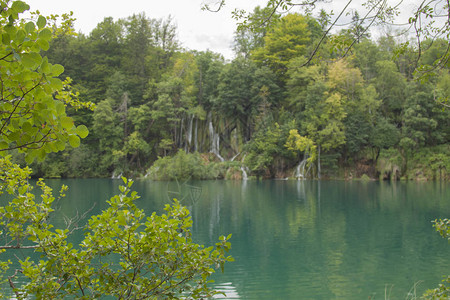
[185,192]
[337,239]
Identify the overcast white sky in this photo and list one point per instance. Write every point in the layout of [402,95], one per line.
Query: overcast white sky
[197,29]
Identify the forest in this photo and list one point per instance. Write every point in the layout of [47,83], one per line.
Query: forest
[296,101]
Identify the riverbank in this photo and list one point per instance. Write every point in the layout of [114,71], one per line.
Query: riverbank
[425,165]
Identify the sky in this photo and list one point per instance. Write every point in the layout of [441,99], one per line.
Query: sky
[197,29]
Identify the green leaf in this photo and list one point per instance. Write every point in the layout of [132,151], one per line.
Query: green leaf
[11,30]
[4,145]
[31,60]
[57,70]
[41,154]
[55,83]
[27,61]
[45,67]
[43,44]
[41,22]
[45,34]
[26,127]
[6,39]
[29,27]
[20,36]
[74,141]
[60,107]
[14,136]
[82,131]
[60,145]
[19,6]
[121,220]
[29,157]
[67,122]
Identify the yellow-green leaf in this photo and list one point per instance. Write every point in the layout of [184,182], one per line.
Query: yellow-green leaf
[19,6]
[74,141]
[67,122]
[82,131]
[57,70]
[29,27]
[41,22]
[4,145]
[45,34]
[43,44]
[6,39]
[55,83]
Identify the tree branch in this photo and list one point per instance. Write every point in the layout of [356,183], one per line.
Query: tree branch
[325,35]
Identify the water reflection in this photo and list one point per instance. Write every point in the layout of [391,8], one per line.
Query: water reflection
[306,239]
[228,290]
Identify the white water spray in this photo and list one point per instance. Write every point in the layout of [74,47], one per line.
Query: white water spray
[301,171]
[244,174]
[215,141]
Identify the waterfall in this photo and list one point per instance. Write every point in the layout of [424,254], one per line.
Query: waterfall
[196,136]
[189,134]
[179,140]
[234,157]
[244,174]
[116,177]
[300,171]
[215,141]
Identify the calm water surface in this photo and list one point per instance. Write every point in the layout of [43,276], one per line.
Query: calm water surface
[304,239]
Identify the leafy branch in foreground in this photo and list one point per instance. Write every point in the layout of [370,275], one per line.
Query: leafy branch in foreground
[124,253]
[33,99]
[443,290]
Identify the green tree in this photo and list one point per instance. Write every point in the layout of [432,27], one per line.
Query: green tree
[384,136]
[266,151]
[209,66]
[367,53]
[242,87]
[424,123]
[104,51]
[176,96]
[109,132]
[137,43]
[250,37]
[296,142]
[391,87]
[287,39]
[421,18]
[322,104]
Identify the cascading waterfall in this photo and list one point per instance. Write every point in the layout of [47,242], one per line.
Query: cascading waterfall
[114,176]
[189,134]
[215,141]
[300,171]
[234,157]
[196,136]
[244,174]
[179,139]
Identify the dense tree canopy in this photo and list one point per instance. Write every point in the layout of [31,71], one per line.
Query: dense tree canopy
[154,98]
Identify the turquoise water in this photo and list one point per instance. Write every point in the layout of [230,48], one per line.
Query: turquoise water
[304,239]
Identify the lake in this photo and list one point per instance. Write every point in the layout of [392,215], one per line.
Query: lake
[304,239]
